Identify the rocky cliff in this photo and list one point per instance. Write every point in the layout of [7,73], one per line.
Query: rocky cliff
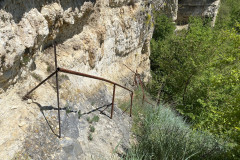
[92,36]
[181,10]
[203,8]
[97,37]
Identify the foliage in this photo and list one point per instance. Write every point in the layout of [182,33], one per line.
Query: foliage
[198,71]
[68,110]
[229,14]
[163,135]
[90,137]
[88,119]
[50,68]
[94,119]
[92,129]
[163,27]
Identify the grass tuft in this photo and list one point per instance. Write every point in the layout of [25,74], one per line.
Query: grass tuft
[92,129]
[161,134]
[90,137]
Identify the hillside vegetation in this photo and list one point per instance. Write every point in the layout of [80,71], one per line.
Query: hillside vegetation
[162,135]
[195,81]
[197,71]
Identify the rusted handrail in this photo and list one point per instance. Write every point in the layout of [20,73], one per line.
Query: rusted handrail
[102,79]
[91,76]
[58,69]
[137,76]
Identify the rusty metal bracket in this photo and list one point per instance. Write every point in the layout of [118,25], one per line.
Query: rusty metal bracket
[58,69]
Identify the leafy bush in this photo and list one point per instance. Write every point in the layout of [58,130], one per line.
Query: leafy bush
[163,135]
[198,71]
[163,28]
[229,15]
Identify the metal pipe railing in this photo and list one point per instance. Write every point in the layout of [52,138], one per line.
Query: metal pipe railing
[58,69]
[91,76]
[58,103]
[99,78]
[137,76]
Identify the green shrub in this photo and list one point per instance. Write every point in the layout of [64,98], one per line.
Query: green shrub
[92,129]
[95,119]
[163,27]
[68,110]
[90,137]
[163,135]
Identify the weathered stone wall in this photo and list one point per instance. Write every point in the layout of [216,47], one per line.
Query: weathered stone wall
[94,37]
[104,28]
[181,10]
[203,8]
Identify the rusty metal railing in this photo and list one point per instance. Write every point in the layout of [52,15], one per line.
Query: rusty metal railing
[58,69]
[137,82]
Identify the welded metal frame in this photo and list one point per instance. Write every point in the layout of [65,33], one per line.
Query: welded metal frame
[58,69]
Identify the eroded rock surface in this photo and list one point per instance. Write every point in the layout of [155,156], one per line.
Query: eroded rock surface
[94,37]
[181,10]
[104,29]
[204,8]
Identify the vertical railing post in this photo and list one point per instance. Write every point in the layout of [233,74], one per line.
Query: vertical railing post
[57,87]
[141,85]
[131,104]
[114,86]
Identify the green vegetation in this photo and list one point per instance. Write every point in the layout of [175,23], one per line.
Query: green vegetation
[229,15]
[94,119]
[161,134]
[198,71]
[37,76]
[68,110]
[92,129]
[90,137]
[50,68]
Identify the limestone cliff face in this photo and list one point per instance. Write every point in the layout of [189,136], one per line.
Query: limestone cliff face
[93,36]
[181,10]
[203,8]
[96,33]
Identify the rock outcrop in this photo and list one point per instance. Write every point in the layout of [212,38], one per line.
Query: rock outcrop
[97,37]
[181,10]
[104,28]
[204,8]
[93,36]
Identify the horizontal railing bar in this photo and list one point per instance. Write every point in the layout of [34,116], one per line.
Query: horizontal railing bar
[91,76]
